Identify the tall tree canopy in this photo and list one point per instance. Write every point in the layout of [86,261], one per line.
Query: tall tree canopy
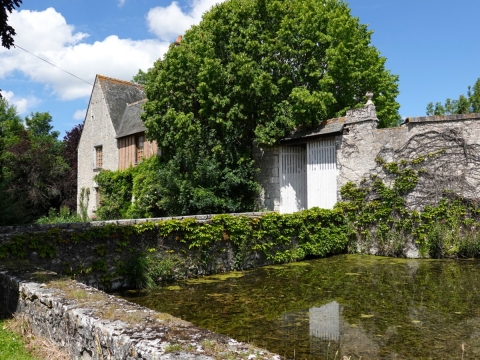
[252,71]
[463,105]
[31,166]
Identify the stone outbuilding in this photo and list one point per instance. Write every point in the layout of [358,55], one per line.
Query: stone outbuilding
[310,166]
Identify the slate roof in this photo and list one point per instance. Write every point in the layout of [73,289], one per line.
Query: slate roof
[131,122]
[438,118]
[328,127]
[118,94]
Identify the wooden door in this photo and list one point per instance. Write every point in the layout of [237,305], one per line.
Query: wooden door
[322,173]
[293,179]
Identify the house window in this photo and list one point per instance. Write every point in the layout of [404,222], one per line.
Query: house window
[98,157]
[139,144]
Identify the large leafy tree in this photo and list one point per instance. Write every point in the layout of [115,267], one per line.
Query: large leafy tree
[463,105]
[250,72]
[31,164]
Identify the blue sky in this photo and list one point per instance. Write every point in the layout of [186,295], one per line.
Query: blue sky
[433,45]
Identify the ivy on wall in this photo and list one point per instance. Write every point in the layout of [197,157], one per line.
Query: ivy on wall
[379,217]
[149,252]
[376,214]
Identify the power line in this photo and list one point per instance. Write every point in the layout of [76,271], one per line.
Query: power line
[48,62]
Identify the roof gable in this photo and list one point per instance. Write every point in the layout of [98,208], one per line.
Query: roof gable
[118,94]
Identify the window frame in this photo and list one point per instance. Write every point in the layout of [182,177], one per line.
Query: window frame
[98,157]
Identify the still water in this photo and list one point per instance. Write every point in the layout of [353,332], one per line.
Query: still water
[361,306]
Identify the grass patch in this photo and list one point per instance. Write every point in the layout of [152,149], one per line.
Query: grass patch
[12,345]
[17,342]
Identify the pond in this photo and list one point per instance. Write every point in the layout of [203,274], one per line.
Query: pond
[361,306]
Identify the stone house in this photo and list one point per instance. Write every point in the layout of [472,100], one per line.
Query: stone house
[311,165]
[113,136]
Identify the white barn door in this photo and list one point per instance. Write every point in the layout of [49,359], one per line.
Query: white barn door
[322,173]
[293,179]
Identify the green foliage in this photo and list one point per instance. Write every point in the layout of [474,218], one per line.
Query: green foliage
[115,193]
[59,217]
[251,72]
[140,78]
[146,190]
[39,124]
[464,104]
[150,267]
[7,32]
[21,245]
[83,203]
[377,215]
[12,346]
[31,166]
[278,238]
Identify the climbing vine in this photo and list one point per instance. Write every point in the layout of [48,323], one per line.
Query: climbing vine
[150,252]
[382,214]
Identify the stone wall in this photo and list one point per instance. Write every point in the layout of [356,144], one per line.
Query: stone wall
[101,253]
[98,130]
[446,148]
[91,325]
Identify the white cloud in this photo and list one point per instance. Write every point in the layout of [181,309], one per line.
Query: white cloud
[80,114]
[121,3]
[170,21]
[47,35]
[23,104]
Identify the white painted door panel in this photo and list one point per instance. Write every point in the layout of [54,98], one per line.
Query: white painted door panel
[293,179]
[321,174]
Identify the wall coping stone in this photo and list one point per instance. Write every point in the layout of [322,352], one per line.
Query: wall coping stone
[18,229]
[440,118]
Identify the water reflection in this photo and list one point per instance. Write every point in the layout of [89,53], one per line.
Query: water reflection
[324,321]
[362,307]
[328,334]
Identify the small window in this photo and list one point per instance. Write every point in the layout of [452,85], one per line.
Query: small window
[98,157]
[139,143]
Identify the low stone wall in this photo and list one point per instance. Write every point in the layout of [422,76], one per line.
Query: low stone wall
[7,231]
[108,254]
[89,324]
